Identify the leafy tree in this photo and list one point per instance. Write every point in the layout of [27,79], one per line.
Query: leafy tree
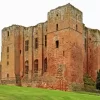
[98,80]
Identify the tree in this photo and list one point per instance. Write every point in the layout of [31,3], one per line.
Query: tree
[98,80]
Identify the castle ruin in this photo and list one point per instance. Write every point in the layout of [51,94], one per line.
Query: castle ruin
[55,54]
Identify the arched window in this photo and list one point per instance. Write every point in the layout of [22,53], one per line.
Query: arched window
[26,67]
[36,66]
[45,64]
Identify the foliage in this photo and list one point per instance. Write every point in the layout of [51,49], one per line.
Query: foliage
[89,84]
[98,80]
[76,87]
[88,81]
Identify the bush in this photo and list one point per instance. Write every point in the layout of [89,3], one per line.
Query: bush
[89,84]
[98,80]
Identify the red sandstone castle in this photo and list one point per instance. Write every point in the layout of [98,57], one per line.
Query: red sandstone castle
[55,54]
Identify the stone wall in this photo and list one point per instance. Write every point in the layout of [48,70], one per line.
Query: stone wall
[55,54]
[92,52]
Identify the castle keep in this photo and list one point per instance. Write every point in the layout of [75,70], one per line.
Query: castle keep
[55,54]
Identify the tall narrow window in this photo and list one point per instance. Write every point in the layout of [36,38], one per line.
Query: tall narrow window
[20,51]
[36,43]
[45,64]
[26,45]
[36,66]
[45,40]
[56,27]
[76,27]
[85,44]
[7,49]
[26,67]
[7,62]
[63,53]
[57,44]
[7,75]
[8,33]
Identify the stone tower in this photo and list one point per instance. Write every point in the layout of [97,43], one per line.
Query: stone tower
[10,52]
[65,41]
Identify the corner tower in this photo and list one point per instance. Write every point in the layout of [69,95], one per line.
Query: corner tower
[11,39]
[8,53]
[65,47]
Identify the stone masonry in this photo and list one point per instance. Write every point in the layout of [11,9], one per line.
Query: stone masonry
[55,54]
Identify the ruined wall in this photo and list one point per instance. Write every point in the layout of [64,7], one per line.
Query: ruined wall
[76,45]
[27,54]
[45,29]
[93,52]
[38,52]
[11,40]
[68,57]
[8,52]
[21,51]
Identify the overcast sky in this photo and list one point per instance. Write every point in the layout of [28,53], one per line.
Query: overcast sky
[32,12]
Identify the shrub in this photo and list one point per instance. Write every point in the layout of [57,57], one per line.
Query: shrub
[98,80]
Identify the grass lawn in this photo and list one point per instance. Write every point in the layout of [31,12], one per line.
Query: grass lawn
[27,93]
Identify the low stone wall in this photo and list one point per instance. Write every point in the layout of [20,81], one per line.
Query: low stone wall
[47,82]
[8,81]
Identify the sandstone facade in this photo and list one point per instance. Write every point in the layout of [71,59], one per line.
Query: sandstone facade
[55,54]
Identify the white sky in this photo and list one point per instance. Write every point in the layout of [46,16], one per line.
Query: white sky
[32,12]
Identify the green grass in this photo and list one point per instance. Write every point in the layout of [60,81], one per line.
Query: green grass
[27,93]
